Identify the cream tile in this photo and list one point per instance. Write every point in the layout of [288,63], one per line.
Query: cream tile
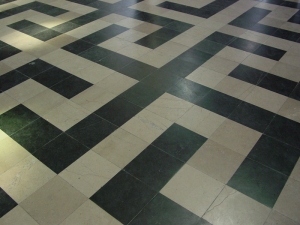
[183,17]
[147,125]
[17,216]
[290,26]
[279,43]
[206,77]
[198,31]
[220,65]
[291,59]
[61,40]
[4,68]
[147,28]
[131,35]
[68,16]
[7,103]
[291,109]
[113,18]
[296,171]
[11,153]
[211,24]
[192,189]
[66,115]
[89,173]
[201,121]
[221,18]
[169,107]
[129,23]
[93,73]
[134,51]
[25,178]
[54,202]
[90,213]
[273,22]
[156,58]
[187,40]
[18,60]
[259,62]
[232,208]
[74,64]
[234,87]
[255,36]
[267,6]
[115,44]
[288,202]
[172,48]
[236,137]
[80,32]
[45,20]
[96,25]
[120,147]
[116,83]
[3,135]
[233,54]
[266,99]
[44,102]
[25,90]
[232,30]
[216,161]
[39,49]
[275,218]
[93,98]
[56,57]
[282,13]
[286,71]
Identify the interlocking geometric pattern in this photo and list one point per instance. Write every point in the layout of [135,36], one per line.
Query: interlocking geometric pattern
[149,112]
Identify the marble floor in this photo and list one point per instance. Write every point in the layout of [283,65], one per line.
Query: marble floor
[145,112]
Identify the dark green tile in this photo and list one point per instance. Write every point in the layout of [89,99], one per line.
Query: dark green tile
[6,203]
[16,118]
[179,26]
[161,81]
[96,128]
[162,210]
[78,46]
[65,27]
[179,142]
[116,61]
[178,67]
[137,70]
[118,111]
[189,90]
[21,24]
[33,29]
[221,38]
[258,182]
[95,53]
[209,47]
[52,76]
[248,74]
[46,35]
[35,135]
[141,94]
[8,51]
[275,154]
[195,56]
[154,167]
[60,153]
[11,79]
[34,68]
[123,197]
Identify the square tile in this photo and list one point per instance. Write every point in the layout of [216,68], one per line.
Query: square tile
[236,137]
[78,46]
[114,44]
[270,52]
[162,210]
[117,83]
[252,116]
[189,91]
[156,58]
[137,70]
[16,118]
[147,125]
[259,62]
[11,153]
[210,47]
[118,111]
[258,182]
[290,110]
[245,45]
[195,56]
[90,212]
[26,90]
[284,130]
[66,115]
[71,86]
[34,68]
[161,81]
[120,147]
[275,155]
[52,76]
[25,178]
[95,53]
[123,197]
[233,54]
[57,197]
[46,35]
[60,152]
[11,79]
[201,121]
[8,51]
[221,38]
[17,216]
[141,94]
[220,65]
[247,74]
[7,203]
[179,142]
[134,51]
[178,67]
[227,209]
[36,134]
[216,161]
[153,167]
[192,189]
[97,128]
[116,61]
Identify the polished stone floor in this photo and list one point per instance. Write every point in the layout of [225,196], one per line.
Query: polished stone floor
[180,112]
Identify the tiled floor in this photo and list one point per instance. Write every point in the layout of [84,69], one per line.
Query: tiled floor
[149,112]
